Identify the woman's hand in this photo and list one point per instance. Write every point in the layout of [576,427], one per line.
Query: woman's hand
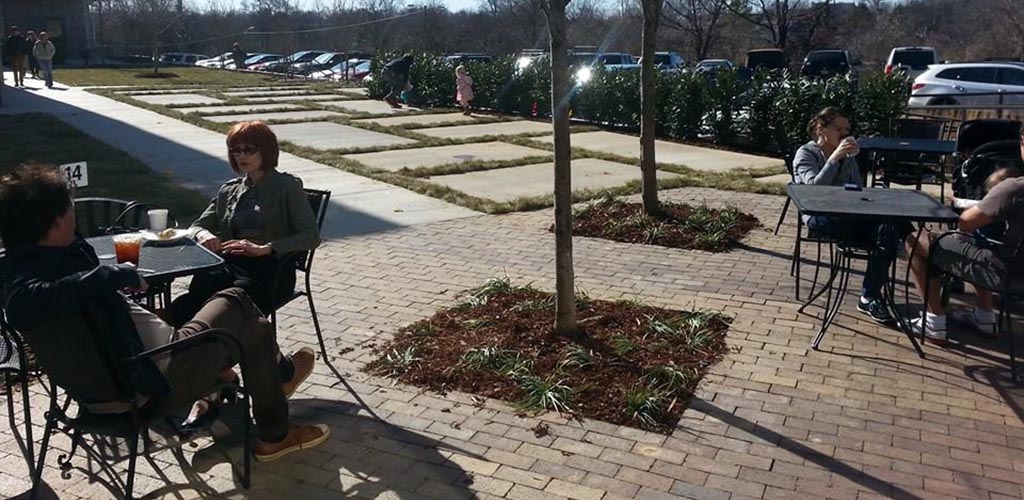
[208,240]
[245,248]
[847,147]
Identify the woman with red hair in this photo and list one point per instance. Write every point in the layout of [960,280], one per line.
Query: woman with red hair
[256,218]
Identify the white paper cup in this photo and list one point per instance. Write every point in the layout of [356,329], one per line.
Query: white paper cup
[157,219]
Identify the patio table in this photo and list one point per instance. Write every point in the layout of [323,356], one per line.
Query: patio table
[875,204]
[162,262]
[904,145]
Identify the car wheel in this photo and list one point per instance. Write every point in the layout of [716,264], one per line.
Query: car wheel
[942,101]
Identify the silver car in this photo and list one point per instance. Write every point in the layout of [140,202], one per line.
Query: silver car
[986,83]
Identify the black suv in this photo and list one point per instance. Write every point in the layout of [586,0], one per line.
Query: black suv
[826,63]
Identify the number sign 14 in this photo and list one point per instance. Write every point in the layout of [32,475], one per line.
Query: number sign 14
[77,174]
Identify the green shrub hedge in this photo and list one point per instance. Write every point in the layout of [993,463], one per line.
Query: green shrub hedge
[728,106]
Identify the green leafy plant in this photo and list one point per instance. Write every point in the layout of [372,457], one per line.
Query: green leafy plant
[544,394]
[577,357]
[644,406]
[623,345]
[399,361]
[670,378]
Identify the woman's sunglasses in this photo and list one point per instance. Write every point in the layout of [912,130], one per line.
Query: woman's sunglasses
[250,150]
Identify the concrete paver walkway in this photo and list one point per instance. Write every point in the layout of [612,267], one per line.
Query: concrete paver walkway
[706,159]
[196,158]
[444,155]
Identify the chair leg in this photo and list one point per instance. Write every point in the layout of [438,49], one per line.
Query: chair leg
[782,216]
[247,443]
[26,406]
[133,455]
[794,269]
[51,422]
[1004,316]
[316,321]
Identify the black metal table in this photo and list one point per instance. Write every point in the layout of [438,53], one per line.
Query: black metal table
[898,144]
[164,261]
[875,204]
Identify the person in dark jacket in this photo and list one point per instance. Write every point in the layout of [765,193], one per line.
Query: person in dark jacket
[396,75]
[18,49]
[72,311]
[238,56]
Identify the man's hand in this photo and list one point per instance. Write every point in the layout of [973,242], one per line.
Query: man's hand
[143,286]
[208,240]
[245,248]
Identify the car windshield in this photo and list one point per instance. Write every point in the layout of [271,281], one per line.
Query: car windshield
[915,59]
[825,61]
[615,59]
[324,58]
[363,66]
[770,60]
[662,59]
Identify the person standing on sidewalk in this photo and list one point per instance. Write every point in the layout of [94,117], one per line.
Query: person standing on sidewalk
[18,49]
[33,64]
[43,51]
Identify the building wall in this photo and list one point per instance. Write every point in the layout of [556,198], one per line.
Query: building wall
[69,16]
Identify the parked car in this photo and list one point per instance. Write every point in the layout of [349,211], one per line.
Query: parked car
[181,58]
[953,84]
[827,63]
[770,59]
[321,62]
[457,59]
[528,56]
[343,70]
[712,65]
[582,63]
[255,59]
[668,61]
[359,72]
[912,61]
[286,64]
[216,61]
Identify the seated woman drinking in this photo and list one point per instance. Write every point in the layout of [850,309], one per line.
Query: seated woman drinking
[256,218]
[828,160]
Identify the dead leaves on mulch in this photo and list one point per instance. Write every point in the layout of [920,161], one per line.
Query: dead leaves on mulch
[634,365]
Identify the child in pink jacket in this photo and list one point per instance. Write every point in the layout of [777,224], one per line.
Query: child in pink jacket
[463,88]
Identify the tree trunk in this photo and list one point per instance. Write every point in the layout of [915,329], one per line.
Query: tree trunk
[565,304]
[648,100]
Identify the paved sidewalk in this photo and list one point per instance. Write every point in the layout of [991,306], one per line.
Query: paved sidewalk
[197,158]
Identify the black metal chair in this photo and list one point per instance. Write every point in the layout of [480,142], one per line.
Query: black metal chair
[99,216]
[14,364]
[94,216]
[912,169]
[1012,289]
[302,262]
[788,150]
[132,424]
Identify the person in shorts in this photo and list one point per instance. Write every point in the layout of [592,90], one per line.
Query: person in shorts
[972,257]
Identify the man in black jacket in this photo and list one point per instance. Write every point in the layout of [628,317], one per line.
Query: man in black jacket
[17,47]
[396,75]
[73,314]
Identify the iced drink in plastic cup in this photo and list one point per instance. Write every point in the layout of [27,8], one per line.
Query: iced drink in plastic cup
[126,247]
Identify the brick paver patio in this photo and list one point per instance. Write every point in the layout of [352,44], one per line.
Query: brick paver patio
[863,418]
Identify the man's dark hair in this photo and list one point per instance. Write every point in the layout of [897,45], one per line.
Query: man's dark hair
[407,58]
[32,198]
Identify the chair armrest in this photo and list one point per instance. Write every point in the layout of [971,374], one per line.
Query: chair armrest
[205,336]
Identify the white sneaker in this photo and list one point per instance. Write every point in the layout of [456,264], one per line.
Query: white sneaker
[936,335]
[970,320]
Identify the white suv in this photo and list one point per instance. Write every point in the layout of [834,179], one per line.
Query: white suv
[960,84]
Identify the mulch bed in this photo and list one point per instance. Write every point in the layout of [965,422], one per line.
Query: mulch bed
[677,226]
[633,365]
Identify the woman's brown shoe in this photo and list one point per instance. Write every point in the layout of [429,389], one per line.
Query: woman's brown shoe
[300,437]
